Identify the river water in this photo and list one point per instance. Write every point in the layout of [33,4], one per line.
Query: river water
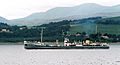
[17,55]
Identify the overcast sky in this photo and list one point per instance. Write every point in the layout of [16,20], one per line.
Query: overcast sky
[12,9]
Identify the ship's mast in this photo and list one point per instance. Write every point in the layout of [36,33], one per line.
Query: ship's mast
[42,33]
[96,29]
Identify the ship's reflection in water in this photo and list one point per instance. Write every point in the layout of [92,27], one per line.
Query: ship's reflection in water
[17,55]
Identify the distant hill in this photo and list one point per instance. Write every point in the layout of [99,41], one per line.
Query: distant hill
[3,20]
[68,13]
[3,23]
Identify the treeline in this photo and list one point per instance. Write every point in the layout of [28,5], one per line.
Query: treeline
[85,20]
[98,20]
[51,31]
[107,21]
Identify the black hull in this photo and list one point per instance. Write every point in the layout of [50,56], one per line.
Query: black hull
[65,47]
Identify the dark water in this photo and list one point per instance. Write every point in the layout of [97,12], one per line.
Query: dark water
[17,55]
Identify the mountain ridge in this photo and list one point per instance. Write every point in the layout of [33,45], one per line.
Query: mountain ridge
[83,10]
[3,20]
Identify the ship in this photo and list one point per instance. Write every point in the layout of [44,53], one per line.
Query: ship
[85,44]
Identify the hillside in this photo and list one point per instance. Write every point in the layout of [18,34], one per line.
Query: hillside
[101,25]
[111,29]
[57,30]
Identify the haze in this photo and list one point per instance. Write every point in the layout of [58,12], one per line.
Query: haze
[12,9]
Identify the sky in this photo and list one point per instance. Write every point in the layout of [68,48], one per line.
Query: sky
[13,9]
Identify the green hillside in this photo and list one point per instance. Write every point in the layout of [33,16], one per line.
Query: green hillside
[82,28]
[111,29]
[103,25]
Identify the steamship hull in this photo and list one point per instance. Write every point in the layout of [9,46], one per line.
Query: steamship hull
[32,46]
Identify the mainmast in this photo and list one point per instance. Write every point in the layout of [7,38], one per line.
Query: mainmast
[96,29]
[42,33]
